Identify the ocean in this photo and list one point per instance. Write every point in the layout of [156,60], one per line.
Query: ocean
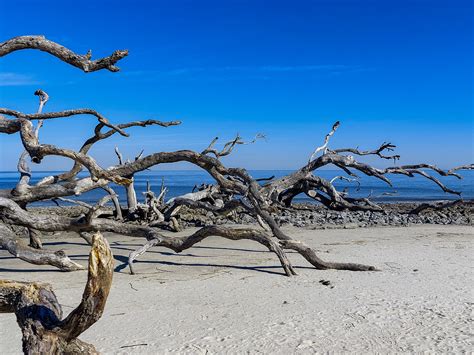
[182,181]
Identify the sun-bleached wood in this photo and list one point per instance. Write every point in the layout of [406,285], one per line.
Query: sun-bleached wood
[82,62]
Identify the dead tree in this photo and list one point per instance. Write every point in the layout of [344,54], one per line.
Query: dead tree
[39,313]
[234,188]
[281,192]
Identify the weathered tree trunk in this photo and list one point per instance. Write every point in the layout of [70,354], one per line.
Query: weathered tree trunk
[39,313]
[131,196]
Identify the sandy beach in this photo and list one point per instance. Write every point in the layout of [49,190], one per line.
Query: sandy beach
[231,297]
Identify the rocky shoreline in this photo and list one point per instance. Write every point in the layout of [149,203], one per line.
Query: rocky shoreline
[393,215]
[318,217]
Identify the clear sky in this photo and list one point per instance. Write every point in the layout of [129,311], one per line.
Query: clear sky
[398,71]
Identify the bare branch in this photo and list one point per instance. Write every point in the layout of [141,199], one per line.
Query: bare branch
[265,178]
[75,202]
[404,169]
[9,126]
[19,249]
[229,146]
[379,151]
[436,206]
[179,244]
[462,167]
[54,190]
[326,141]
[139,155]
[98,136]
[43,98]
[119,156]
[23,168]
[61,114]
[82,62]
[344,178]
[311,256]
[436,181]
[115,200]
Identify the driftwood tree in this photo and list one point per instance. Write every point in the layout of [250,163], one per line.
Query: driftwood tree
[235,189]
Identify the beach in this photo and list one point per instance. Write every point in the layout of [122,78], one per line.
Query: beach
[239,177]
[226,296]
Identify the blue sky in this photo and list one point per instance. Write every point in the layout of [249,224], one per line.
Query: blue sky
[398,71]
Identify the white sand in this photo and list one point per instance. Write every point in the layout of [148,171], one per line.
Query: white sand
[230,297]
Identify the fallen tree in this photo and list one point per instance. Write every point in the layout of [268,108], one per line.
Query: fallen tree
[235,189]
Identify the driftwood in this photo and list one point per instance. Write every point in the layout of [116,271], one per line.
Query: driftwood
[83,62]
[235,189]
[18,248]
[25,171]
[178,244]
[39,313]
[14,214]
[440,205]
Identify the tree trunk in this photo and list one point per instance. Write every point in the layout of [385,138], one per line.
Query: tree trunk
[39,313]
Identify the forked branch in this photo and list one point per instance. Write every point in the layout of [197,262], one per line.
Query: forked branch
[229,146]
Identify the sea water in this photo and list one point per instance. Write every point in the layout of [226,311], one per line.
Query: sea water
[180,182]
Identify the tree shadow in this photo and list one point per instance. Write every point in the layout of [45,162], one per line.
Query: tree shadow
[264,269]
[123,259]
[232,249]
[66,243]
[166,253]
[30,270]
[241,249]
[7,257]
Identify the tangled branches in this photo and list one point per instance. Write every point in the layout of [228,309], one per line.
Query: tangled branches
[234,191]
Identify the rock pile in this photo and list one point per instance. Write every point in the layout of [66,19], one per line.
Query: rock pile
[311,216]
[319,217]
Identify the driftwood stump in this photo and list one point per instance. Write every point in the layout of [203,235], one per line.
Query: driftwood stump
[39,313]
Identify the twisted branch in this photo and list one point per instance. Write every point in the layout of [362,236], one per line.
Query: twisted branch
[82,62]
[39,313]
